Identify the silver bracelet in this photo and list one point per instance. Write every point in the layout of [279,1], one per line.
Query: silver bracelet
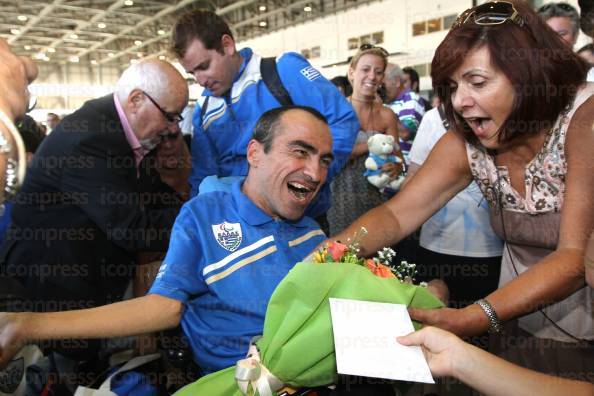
[15,168]
[495,325]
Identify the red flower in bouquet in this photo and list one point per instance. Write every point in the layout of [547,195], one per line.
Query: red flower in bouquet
[378,269]
[381,266]
[337,250]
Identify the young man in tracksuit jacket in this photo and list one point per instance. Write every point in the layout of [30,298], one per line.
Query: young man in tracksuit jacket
[236,96]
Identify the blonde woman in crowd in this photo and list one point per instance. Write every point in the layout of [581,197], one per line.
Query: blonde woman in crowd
[352,194]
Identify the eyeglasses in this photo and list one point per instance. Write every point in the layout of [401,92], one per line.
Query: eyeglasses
[32,103]
[491,13]
[172,118]
[367,46]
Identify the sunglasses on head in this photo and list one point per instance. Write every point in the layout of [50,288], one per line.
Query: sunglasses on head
[488,14]
[368,46]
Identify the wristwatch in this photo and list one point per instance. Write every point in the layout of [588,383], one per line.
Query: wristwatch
[495,326]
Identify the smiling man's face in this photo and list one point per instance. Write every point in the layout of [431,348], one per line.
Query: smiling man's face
[284,180]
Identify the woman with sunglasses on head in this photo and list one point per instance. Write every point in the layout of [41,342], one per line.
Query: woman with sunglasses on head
[522,117]
[352,194]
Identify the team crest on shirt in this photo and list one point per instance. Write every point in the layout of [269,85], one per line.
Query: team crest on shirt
[228,235]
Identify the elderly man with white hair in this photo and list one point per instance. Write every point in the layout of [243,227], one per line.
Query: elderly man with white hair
[81,216]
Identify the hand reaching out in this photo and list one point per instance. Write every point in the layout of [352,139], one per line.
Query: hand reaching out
[441,348]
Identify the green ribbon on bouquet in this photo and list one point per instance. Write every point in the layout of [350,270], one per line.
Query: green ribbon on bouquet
[297,345]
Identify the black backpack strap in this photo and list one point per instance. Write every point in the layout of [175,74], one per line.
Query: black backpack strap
[444,120]
[273,82]
[203,109]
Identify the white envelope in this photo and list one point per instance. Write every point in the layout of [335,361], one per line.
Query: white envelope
[365,341]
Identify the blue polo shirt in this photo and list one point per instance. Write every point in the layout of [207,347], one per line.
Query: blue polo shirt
[225,258]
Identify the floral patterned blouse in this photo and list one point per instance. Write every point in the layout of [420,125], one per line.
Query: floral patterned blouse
[544,176]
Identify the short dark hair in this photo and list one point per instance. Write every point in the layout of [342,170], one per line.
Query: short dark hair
[31,133]
[414,77]
[267,126]
[587,16]
[544,72]
[202,25]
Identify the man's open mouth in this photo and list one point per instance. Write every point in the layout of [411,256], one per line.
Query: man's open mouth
[301,191]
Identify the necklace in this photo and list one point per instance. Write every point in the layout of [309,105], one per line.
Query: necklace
[361,100]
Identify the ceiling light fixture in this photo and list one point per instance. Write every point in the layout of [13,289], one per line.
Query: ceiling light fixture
[128,3]
[73,59]
[22,18]
[27,47]
[263,23]
[307,8]
[160,32]
[162,57]
[15,31]
[93,62]
[262,8]
[52,50]
[111,54]
[74,36]
[101,25]
[137,42]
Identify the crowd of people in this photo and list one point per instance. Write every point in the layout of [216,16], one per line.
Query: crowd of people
[499,180]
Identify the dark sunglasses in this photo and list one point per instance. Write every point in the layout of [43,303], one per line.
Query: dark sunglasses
[367,46]
[172,118]
[488,14]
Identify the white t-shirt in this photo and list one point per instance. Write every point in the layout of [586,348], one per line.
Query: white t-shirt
[461,227]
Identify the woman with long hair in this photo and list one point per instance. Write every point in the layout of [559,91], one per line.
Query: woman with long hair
[522,116]
[352,194]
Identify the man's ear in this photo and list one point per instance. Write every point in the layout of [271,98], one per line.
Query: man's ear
[255,153]
[135,100]
[228,45]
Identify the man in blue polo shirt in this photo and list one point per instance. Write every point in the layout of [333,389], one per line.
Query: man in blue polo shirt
[236,95]
[227,254]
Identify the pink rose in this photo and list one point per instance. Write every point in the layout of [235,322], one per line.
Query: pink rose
[337,249]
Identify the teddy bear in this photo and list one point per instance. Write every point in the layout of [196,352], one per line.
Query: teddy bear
[381,152]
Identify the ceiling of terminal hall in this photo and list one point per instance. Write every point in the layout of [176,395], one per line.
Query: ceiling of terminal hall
[115,32]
